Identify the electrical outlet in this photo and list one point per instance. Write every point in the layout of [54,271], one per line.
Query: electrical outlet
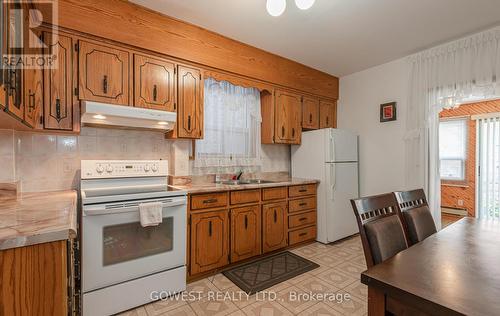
[460,202]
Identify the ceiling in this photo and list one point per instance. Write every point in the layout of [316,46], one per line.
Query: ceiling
[339,37]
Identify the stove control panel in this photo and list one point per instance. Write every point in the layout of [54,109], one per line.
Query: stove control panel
[99,169]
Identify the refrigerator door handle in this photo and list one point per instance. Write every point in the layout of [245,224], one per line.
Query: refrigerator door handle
[333,179]
[332,149]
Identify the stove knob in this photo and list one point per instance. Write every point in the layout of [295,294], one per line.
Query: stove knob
[154,168]
[109,168]
[146,168]
[99,169]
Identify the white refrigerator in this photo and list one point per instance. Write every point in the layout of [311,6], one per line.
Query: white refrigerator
[331,156]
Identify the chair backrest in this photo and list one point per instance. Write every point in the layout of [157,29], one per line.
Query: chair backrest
[416,215]
[380,227]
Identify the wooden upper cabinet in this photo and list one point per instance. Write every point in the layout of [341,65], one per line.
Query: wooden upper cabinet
[154,84]
[288,117]
[274,226]
[245,232]
[209,241]
[103,73]
[328,114]
[190,103]
[58,83]
[310,113]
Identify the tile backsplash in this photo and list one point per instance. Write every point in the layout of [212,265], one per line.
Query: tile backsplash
[46,162]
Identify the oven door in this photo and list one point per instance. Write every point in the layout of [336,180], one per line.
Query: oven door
[116,248]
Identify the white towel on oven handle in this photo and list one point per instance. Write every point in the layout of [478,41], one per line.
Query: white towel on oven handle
[151,214]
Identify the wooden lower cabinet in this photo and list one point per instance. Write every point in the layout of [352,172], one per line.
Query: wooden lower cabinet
[34,280]
[209,241]
[274,226]
[245,232]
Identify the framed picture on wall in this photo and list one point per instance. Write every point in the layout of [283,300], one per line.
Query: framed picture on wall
[388,112]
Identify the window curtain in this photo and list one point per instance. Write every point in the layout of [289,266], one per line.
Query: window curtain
[444,77]
[232,122]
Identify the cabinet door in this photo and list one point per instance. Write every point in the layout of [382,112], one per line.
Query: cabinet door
[33,92]
[154,84]
[209,241]
[245,232]
[14,74]
[288,117]
[328,114]
[310,113]
[103,74]
[58,87]
[190,107]
[274,226]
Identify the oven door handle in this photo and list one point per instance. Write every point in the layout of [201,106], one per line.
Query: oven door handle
[102,210]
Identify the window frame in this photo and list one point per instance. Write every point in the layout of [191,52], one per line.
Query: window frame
[451,180]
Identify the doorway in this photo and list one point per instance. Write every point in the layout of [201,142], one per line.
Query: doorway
[466,190]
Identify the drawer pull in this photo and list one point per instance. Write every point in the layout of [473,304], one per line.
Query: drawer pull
[105,84]
[303,204]
[303,219]
[302,190]
[210,229]
[302,234]
[209,201]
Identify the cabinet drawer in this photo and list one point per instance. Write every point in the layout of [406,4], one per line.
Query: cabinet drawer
[302,204]
[301,235]
[301,190]
[208,200]
[274,193]
[303,219]
[246,196]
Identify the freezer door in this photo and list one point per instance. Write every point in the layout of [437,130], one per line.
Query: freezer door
[341,146]
[343,186]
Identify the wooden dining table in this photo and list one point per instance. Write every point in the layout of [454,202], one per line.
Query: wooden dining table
[453,272]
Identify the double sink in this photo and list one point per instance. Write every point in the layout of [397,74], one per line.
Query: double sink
[243,182]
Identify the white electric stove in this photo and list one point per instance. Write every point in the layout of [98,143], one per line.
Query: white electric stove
[123,262]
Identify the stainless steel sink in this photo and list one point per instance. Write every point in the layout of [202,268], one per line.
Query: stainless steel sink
[242,182]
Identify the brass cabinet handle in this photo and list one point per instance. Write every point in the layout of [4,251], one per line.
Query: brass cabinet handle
[275,216]
[210,228]
[303,204]
[31,101]
[189,122]
[58,109]
[302,219]
[302,234]
[209,201]
[155,92]
[246,221]
[105,84]
[303,190]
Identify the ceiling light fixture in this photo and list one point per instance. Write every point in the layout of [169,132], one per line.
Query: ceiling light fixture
[276,7]
[304,4]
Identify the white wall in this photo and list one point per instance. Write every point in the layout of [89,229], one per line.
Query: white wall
[382,150]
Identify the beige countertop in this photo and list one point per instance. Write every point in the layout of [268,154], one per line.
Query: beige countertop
[216,187]
[36,218]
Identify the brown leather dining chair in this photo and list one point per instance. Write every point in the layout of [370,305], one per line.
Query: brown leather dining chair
[417,217]
[380,227]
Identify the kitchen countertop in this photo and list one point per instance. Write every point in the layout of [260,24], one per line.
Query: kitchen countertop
[36,218]
[216,187]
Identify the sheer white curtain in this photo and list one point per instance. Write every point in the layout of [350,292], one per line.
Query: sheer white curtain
[444,77]
[232,126]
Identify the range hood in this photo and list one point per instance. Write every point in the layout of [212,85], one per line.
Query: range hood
[102,114]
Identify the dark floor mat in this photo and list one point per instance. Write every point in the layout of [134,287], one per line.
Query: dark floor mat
[262,274]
